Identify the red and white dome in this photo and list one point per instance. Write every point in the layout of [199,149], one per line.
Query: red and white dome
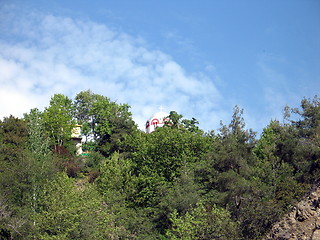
[157,120]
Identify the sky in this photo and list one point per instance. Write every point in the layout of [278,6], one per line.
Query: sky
[198,58]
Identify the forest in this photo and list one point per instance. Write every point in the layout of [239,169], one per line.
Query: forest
[178,182]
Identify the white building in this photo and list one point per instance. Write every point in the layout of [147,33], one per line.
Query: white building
[157,120]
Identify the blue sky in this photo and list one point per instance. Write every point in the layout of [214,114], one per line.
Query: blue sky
[199,58]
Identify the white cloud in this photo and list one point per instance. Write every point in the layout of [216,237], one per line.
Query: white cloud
[43,54]
[277,88]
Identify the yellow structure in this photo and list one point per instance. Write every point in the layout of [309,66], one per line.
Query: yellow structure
[77,138]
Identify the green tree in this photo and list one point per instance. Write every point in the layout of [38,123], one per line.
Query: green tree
[306,156]
[103,120]
[181,196]
[68,212]
[275,165]
[115,178]
[176,121]
[202,223]
[158,158]
[191,125]
[14,135]
[15,180]
[83,104]
[121,123]
[38,141]
[235,145]
[117,184]
[169,149]
[58,120]
[229,160]
[273,183]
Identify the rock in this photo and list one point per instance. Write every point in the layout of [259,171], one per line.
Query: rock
[316,235]
[303,222]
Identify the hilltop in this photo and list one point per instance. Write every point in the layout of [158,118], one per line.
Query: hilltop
[176,182]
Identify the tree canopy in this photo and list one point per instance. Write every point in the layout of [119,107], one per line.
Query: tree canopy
[177,182]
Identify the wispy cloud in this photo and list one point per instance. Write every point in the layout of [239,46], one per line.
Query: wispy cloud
[277,85]
[44,54]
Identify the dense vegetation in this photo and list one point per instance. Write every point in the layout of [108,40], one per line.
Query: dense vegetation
[176,183]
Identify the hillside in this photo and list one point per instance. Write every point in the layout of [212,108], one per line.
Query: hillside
[177,182]
[303,221]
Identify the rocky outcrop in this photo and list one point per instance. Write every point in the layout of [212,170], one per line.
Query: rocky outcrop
[302,223]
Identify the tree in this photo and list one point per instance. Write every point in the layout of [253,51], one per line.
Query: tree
[115,179]
[88,111]
[306,157]
[165,151]
[176,121]
[225,171]
[273,181]
[103,120]
[38,141]
[118,185]
[14,160]
[83,104]
[191,125]
[309,117]
[235,145]
[202,223]
[10,223]
[120,120]
[14,135]
[15,180]
[58,120]
[181,196]
[68,212]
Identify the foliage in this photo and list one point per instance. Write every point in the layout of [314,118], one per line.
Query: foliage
[202,223]
[102,120]
[175,183]
[67,212]
[58,120]
[176,121]
[38,141]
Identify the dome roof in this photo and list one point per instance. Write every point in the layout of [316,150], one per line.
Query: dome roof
[157,120]
[159,115]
